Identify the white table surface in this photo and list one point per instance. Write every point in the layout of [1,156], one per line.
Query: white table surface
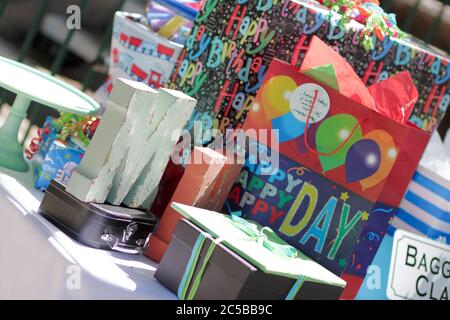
[38,261]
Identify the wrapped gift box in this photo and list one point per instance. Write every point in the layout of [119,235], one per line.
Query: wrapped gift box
[429,69]
[205,185]
[232,44]
[217,257]
[139,54]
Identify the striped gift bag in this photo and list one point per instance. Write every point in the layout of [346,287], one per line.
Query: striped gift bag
[425,209]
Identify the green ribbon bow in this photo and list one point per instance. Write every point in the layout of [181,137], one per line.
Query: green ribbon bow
[265,237]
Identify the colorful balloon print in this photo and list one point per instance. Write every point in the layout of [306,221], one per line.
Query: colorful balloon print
[276,94]
[363,160]
[331,134]
[289,127]
[388,157]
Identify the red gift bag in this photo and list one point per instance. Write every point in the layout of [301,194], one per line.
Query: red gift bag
[343,166]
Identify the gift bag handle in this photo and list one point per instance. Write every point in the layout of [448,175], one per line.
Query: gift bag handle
[305,136]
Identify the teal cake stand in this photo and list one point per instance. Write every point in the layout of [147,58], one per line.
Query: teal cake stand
[33,85]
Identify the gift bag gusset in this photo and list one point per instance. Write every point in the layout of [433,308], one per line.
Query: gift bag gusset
[335,163]
[401,279]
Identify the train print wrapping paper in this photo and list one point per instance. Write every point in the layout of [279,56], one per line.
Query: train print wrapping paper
[139,54]
[226,58]
[336,161]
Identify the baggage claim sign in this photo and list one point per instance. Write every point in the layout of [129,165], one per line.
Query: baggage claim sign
[420,268]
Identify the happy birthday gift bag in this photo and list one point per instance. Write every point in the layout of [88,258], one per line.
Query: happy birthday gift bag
[341,163]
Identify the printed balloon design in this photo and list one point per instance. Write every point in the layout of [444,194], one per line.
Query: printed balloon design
[388,157]
[331,134]
[292,124]
[363,160]
[276,93]
[288,127]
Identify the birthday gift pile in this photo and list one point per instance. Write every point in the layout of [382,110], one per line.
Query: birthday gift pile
[348,100]
[228,61]
[343,164]
[341,157]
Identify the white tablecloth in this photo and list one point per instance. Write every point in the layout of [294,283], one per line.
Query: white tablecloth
[37,261]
